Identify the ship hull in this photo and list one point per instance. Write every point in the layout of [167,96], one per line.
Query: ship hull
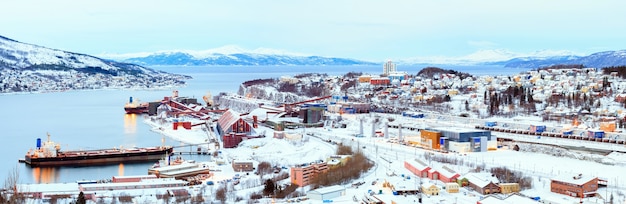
[136,110]
[100,159]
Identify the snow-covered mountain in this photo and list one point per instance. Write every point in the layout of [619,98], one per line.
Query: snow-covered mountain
[598,60]
[239,57]
[14,54]
[27,67]
[536,59]
[491,57]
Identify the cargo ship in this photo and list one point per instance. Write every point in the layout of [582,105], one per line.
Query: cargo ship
[49,153]
[135,107]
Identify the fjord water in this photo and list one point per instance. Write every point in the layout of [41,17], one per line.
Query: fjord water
[95,119]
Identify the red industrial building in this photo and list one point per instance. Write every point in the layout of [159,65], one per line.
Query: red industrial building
[233,129]
[417,167]
[443,174]
[576,186]
[421,169]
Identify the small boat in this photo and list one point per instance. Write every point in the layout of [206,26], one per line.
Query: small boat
[135,107]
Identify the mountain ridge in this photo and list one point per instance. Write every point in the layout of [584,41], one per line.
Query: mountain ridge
[240,59]
[236,56]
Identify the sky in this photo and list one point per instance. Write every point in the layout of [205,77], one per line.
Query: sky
[359,29]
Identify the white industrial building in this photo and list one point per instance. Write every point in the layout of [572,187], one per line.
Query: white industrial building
[327,193]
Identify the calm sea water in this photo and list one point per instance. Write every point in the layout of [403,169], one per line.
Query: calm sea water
[96,119]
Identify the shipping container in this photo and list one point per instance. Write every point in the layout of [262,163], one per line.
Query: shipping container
[595,133]
[567,133]
[537,128]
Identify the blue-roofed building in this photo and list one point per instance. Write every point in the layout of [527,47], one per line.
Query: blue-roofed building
[461,134]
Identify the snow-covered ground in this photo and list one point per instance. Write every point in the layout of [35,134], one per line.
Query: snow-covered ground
[541,166]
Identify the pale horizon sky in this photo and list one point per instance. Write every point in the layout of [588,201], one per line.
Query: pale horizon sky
[367,30]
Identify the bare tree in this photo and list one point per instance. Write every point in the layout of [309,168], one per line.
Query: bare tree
[220,194]
[12,194]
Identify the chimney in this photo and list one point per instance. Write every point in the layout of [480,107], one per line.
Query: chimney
[361,127]
[386,131]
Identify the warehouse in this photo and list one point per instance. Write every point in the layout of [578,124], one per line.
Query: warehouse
[460,139]
[461,134]
[326,193]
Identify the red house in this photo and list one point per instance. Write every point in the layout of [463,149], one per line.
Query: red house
[233,129]
[380,81]
[417,167]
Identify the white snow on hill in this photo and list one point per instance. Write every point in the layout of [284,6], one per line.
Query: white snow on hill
[483,56]
[24,55]
[208,53]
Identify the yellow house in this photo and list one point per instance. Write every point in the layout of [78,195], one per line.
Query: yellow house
[453,92]
[365,79]
[418,98]
[430,189]
[452,187]
[506,188]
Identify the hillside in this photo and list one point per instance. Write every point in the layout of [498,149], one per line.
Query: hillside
[32,68]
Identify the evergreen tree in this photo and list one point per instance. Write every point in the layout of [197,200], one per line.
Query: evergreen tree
[269,187]
[81,198]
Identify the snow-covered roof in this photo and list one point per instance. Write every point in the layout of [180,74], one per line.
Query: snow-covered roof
[481,179]
[160,181]
[444,171]
[579,179]
[429,185]
[418,164]
[49,187]
[513,199]
[136,176]
[229,118]
[334,162]
[243,161]
[328,189]
[457,129]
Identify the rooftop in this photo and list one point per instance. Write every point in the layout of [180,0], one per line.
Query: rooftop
[579,179]
[481,179]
